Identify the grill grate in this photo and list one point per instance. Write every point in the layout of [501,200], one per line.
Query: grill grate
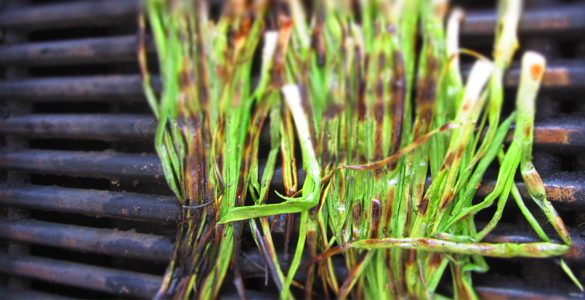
[85,211]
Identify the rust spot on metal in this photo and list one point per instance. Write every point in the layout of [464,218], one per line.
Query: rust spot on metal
[553,135]
[577,252]
[565,194]
[555,77]
[555,23]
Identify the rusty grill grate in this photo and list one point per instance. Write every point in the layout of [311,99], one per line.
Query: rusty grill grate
[85,211]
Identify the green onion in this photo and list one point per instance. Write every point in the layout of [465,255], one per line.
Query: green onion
[376,122]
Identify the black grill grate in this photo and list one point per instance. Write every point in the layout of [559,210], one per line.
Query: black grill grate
[85,211]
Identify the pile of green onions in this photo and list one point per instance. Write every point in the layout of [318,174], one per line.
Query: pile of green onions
[394,143]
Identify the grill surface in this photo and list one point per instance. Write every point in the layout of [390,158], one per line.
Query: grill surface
[85,211]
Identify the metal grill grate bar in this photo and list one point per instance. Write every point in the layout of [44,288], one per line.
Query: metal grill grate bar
[124,284]
[159,248]
[565,134]
[516,291]
[154,247]
[91,13]
[147,167]
[107,127]
[27,295]
[559,75]
[103,241]
[93,203]
[82,51]
[568,190]
[143,285]
[86,164]
[86,13]
[123,49]
[566,19]
[84,276]
[106,88]
[109,165]
[129,87]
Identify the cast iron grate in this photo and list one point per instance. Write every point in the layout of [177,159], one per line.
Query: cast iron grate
[85,211]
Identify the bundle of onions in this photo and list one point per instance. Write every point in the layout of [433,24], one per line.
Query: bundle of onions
[376,121]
